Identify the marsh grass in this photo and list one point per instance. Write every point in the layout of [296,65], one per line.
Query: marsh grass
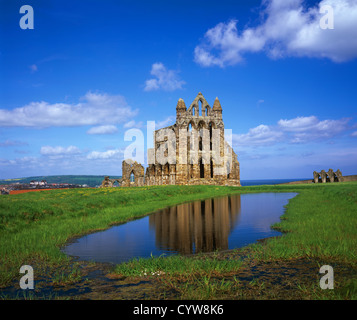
[34,226]
[319,222]
[62,277]
[177,266]
[190,277]
[206,288]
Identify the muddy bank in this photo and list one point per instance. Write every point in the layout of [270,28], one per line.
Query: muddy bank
[296,279]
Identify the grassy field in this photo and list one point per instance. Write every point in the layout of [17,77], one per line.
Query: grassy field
[320,223]
[34,226]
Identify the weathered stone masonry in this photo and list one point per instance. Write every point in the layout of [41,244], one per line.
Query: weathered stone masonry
[190,152]
[329,176]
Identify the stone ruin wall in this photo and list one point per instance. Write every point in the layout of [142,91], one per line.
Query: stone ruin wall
[329,176]
[130,167]
[195,143]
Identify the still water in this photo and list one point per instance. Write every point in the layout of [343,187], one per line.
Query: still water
[200,226]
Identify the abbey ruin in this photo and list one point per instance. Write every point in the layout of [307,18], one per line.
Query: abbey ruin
[190,152]
[329,176]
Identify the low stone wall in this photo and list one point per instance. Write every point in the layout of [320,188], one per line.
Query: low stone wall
[345,179]
[329,176]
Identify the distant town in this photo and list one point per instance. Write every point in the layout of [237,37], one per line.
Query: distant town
[35,185]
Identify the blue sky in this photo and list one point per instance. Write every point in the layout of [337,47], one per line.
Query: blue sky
[91,70]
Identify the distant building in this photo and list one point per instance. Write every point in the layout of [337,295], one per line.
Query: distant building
[200,154]
[38,183]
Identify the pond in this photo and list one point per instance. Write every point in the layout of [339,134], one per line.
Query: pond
[201,226]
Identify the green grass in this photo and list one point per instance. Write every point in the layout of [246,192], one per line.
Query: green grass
[35,225]
[319,222]
[177,266]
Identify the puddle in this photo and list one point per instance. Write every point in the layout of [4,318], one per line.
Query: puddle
[201,226]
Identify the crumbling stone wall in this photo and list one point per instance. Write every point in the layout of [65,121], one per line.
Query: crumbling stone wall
[130,167]
[193,150]
[329,176]
[108,183]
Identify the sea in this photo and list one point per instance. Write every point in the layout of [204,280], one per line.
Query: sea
[245,183]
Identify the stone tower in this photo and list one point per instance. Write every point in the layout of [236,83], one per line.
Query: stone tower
[193,150]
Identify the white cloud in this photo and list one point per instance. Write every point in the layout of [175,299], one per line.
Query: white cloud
[354,134]
[164,79]
[151,85]
[96,109]
[261,135]
[133,124]
[12,143]
[58,150]
[20,162]
[298,124]
[170,120]
[106,129]
[109,154]
[289,29]
[311,128]
[224,38]
[297,130]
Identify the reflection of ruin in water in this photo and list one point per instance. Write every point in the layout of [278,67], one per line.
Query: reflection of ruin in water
[201,226]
